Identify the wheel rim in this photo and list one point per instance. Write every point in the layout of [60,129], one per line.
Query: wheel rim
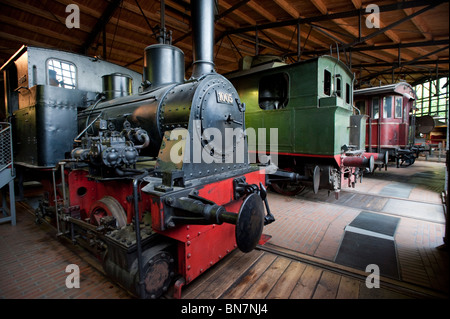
[108,206]
[288,188]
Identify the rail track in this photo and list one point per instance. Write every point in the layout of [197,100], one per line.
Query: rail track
[400,288]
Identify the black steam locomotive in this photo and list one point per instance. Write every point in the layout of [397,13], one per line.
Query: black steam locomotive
[154,179]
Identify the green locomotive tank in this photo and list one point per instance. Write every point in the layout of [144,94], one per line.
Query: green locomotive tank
[303,117]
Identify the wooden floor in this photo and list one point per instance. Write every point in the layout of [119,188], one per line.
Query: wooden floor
[266,275]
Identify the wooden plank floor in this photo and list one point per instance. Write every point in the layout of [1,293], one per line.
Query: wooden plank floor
[264,275]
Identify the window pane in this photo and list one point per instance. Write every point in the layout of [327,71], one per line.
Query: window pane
[387,107]
[338,86]
[398,106]
[61,73]
[327,82]
[347,93]
[375,108]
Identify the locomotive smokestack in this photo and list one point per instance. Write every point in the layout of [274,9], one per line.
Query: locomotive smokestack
[202,15]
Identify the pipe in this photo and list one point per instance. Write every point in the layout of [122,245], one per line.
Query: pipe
[138,234]
[77,139]
[352,97]
[203,37]
[56,202]
[162,35]
[63,182]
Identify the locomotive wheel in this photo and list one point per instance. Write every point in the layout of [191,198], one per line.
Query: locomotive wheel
[158,274]
[288,188]
[250,223]
[108,206]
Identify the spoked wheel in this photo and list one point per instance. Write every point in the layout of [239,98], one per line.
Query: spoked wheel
[108,206]
[288,188]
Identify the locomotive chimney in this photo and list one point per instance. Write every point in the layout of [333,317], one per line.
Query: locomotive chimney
[202,15]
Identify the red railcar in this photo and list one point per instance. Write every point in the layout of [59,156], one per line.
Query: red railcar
[390,122]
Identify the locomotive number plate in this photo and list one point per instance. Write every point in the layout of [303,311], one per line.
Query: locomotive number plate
[223,97]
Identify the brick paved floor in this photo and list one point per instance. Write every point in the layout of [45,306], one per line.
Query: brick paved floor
[33,265]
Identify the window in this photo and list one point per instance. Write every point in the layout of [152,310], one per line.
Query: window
[387,107]
[375,108]
[398,107]
[61,73]
[273,91]
[327,82]
[432,99]
[338,86]
[347,93]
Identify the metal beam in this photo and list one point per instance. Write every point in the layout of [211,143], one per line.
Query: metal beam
[101,24]
[231,9]
[385,47]
[326,17]
[371,76]
[387,64]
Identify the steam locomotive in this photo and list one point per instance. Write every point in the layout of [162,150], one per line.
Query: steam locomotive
[154,179]
[321,134]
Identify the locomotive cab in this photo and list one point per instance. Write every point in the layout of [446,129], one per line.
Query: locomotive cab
[310,105]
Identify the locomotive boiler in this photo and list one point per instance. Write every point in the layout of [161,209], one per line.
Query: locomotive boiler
[157,184]
[321,135]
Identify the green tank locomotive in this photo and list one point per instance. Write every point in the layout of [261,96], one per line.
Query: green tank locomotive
[302,115]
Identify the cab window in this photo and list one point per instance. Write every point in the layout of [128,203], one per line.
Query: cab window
[347,93]
[338,86]
[61,73]
[273,91]
[327,82]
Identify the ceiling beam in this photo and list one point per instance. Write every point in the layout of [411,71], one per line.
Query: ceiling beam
[339,15]
[374,65]
[231,9]
[371,76]
[101,23]
[386,47]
